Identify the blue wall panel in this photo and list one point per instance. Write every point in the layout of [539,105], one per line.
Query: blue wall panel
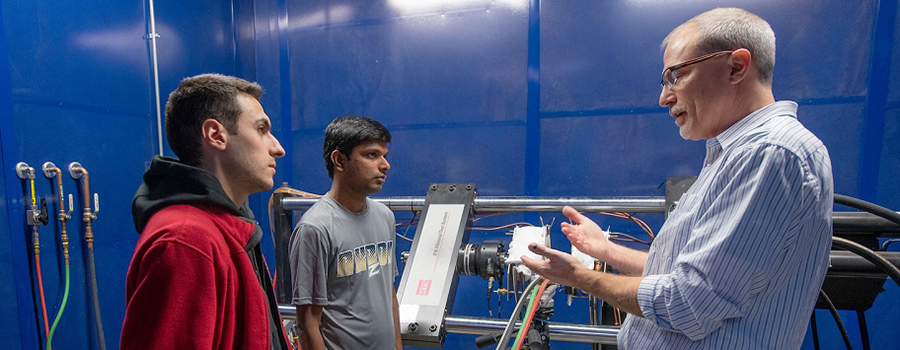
[622,155]
[888,186]
[14,321]
[839,126]
[374,60]
[83,55]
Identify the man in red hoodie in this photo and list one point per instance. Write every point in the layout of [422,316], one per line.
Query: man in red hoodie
[198,279]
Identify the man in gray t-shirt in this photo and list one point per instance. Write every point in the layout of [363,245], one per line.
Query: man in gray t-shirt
[342,250]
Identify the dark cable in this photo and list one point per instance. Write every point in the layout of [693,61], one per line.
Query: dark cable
[93,278]
[869,255]
[837,318]
[815,332]
[875,209]
[861,250]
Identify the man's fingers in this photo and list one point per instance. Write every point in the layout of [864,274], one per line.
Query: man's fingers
[574,215]
[528,261]
[542,250]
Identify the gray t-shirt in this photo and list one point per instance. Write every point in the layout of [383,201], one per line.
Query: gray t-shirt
[344,261]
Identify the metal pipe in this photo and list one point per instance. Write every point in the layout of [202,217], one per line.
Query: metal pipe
[153,36]
[479,325]
[511,204]
[51,171]
[77,171]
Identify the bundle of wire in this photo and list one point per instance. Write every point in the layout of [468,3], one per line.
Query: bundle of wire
[64,237]
[532,308]
[504,339]
[37,262]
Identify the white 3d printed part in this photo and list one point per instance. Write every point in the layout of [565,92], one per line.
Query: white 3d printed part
[522,237]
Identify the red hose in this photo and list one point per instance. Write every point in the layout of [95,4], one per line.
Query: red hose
[527,322]
[37,263]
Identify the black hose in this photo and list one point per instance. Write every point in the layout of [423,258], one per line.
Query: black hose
[93,277]
[837,318]
[869,255]
[875,209]
[815,332]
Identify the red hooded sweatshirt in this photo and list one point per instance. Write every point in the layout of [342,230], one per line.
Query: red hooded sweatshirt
[192,282]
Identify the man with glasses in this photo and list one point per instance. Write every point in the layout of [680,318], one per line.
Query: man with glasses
[739,263]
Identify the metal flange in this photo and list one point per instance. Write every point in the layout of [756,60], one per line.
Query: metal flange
[74,174]
[46,169]
[24,171]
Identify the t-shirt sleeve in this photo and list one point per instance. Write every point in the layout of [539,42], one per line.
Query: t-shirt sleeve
[311,260]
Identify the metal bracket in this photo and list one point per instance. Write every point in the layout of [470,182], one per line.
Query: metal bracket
[675,187]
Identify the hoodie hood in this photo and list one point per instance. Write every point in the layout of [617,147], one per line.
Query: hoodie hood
[169,182]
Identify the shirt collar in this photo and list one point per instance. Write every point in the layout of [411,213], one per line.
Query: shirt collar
[751,121]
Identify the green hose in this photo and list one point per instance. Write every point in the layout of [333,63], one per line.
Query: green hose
[530,304]
[61,308]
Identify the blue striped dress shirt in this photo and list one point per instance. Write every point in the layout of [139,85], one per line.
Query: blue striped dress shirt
[739,263]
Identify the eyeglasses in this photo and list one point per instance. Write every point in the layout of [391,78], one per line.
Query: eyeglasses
[668,76]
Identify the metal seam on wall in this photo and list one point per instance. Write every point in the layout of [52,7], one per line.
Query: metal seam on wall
[533,109]
[873,124]
[155,62]
[284,66]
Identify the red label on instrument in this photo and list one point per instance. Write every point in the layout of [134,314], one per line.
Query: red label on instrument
[424,287]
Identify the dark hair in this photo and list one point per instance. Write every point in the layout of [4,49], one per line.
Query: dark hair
[345,133]
[197,99]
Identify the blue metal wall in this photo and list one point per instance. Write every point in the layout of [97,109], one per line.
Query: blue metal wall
[518,96]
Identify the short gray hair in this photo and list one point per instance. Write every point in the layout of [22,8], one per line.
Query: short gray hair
[726,29]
